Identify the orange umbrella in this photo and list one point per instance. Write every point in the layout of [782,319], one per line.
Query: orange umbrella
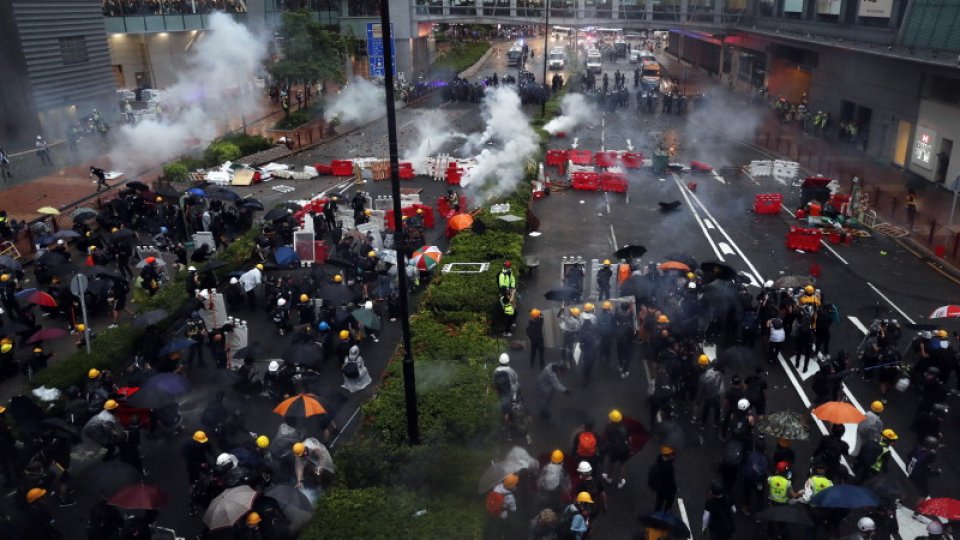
[839,412]
[300,406]
[674,265]
[460,222]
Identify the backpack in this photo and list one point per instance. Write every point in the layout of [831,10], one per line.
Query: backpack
[501,382]
[586,444]
[566,521]
[351,370]
[494,503]
[733,452]
[278,315]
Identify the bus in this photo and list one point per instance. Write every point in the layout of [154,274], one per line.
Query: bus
[650,75]
[517,54]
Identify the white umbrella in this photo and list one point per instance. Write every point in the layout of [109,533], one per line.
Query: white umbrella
[228,507]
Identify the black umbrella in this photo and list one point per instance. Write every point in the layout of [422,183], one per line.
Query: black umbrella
[738,359]
[682,257]
[150,398]
[792,514]
[715,270]
[276,214]
[789,282]
[561,294]
[223,195]
[637,286]
[630,252]
[670,433]
[10,263]
[337,294]
[137,185]
[166,193]
[51,259]
[666,521]
[252,204]
[25,414]
[66,234]
[150,318]
[84,216]
[10,329]
[221,377]
[62,426]
[106,478]
[211,265]
[123,234]
[669,206]
[250,351]
[889,487]
[304,354]
[65,269]
[100,271]
[98,287]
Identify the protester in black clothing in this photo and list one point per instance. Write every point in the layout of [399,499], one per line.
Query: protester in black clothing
[101,176]
[536,337]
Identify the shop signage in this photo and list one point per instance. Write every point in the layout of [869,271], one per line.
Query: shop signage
[875,8]
[923,147]
[828,7]
[793,6]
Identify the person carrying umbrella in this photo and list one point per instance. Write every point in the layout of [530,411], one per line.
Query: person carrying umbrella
[150,276]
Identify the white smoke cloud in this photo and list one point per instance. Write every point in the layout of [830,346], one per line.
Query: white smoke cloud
[215,89]
[576,110]
[359,102]
[508,142]
[433,133]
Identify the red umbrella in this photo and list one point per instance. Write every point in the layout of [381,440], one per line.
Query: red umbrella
[41,298]
[47,333]
[944,508]
[945,312]
[139,497]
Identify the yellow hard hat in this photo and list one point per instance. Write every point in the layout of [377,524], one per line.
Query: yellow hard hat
[367,212]
[338,278]
[584,497]
[5,348]
[606,262]
[259,267]
[615,416]
[344,334]
[263,442]
[588,307]
[889,434]
[200,437]
[2,409]
[556,456]
[93,373]
[6,340]
[113,230]
[809,289]
[691,275]
[663,319]
[877,407]
[419,210]
[703,360]
[299,449]
[159,199]
[666,450]
[575,311]
[38,349]
[91,249]
[4,277]
[607,305]
[253,518]
[35,493]
[110,404]
[304,297]
[535,313]
[942,333]
[371,253]
[510,481]
[81,327]
[404,218]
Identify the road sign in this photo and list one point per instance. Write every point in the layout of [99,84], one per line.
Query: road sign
[375,50]
[78,285]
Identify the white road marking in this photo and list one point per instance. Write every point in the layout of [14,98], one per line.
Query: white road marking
[696,216]
[613,237]
[751,279]
[606,201]
[343,429]
[856,322]
[683,514]
[726,249]
[835,254]
[750,176]
[787,210]
[894,306]
[603,132]
[709,224]
[575,143]
[629,146]
[719,178]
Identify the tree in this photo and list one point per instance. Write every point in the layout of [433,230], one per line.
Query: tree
[309,52]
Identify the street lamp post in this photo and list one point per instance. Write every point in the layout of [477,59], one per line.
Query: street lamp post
[546,51]
[409,382]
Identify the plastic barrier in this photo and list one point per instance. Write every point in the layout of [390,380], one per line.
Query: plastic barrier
[699,166]
[632,160]
[406,170]
[556,158]
[321,251]
[427,214]
[804,239]
[323,169]
[341,167]
[613,182]
[605,159]
[581,157]
[767,203]
[585,181]
[454,175]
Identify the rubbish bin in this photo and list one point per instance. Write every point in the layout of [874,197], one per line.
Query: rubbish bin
[660,161]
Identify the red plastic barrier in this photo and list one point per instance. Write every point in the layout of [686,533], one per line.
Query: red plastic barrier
[342,167]
[585,181]
[323,169]
[700,166]
[632,160]
[406,170]
[767,203]
[427,214]
[322,251]
[581,157]
[454,175]
[556,158]
[561,135]
[605,159]
[443,206]
[804,239]
[613,182]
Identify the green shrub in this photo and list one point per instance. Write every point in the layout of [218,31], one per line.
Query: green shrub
[461,56]
[460,335]
[219,152]
[248,144]
[110,349]
[176,172]
[298,118]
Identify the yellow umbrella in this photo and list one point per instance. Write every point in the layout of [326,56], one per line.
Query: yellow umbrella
[48,210]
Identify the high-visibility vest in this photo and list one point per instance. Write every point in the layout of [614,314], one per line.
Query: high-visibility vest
[507,280]
[878,464]
[779,489]
[819,483]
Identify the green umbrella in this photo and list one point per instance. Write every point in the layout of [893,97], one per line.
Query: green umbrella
[367,318]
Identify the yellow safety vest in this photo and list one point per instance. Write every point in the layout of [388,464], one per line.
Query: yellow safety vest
[878,464]
[820,483]
[507,280]
[779,489]
[508,308]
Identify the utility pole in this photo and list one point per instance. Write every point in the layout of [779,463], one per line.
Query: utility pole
[546,52]
[409,381]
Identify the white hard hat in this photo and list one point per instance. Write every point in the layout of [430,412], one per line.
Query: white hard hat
[273,366]
[692,285]
[281,302]
[504,359]
[934,527]
[768,284]
[60,242]
[368,305]
[39,137]
[584,467]
[225,459]
[234,281]
[866,525]
[191,269]
[743,404]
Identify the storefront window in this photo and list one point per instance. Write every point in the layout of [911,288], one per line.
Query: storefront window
[632,9]
[463,7]
[666,10]
[429,7]
[530,8]
[700,10]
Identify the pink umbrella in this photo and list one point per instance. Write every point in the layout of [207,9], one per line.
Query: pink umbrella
[943,312]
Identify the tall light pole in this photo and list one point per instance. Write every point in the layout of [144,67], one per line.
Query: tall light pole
[546,52]
[409,382]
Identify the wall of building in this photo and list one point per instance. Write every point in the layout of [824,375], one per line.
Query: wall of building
[939,121]
[18,122]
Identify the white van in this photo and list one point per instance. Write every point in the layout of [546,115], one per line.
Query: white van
[594,61]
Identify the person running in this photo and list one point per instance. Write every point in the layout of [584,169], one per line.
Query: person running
[101,176]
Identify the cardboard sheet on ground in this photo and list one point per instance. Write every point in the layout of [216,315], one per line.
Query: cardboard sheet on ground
[243,177]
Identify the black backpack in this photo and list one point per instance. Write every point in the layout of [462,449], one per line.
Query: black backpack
[351,370]
[501,382]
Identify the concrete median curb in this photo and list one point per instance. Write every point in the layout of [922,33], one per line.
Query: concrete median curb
[472,70]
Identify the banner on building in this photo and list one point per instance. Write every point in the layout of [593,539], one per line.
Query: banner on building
[793,6]
[875,8]
[828,7]
[923,147]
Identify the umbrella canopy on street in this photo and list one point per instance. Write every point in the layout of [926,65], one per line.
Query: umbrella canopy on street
[228,507]
[791,282]
[638,287]
[51,259]
[785,425]
[10,263]
[172,383]
[108,477]
[150,318]
[682,258]
[674,265]
[139,497]
[197,191]
[839,412]
[630,251]
[715,270]
[561,294]
[789,514]
[300,406]
[66,234]
[367,318]
[62,426]
[426,258]
[945,312]
[516,460]
[223,194]
[276,214]
[666,521]
[211,265]
[337,294]
[150,398]
[847,496]
[48,211]
[304,354]
[252,204]
[137,185]
[460,222]
[84,214]
[45,334]
[22,295]
[940,507]
[296,507]
[176,345]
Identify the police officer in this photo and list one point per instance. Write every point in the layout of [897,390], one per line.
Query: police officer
[603,280]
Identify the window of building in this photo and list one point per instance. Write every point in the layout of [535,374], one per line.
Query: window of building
[363,8]
[73,49]
[942,89]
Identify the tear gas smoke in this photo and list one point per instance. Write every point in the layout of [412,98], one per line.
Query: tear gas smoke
[359,102]
[215,88]
[723,120]
[576,110]
[433,133]
[500,168]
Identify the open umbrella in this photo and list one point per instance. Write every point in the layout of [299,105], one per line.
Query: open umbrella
[197,191]
[252,204]
[304,354]
[41,298]
[738,359]
[21,295]
[228,507]
[666,521]
[337,294]
[847,496]
[47,333]
[516,460]
[296,507]
[715,270]
[785,425]
[290,205]
[139,497]
[638,287]
[48,211]
[300,406]
[172,383]
[166,192]
[630,251]
[942,507]
[176,345]
[460,222]
[367,318]
[795,515]
[427,258]
[66,234]
[223,195]
[561,294]
[63,426]
[674,265]
[150,398]
[681,257]
[137,185]
[150,318]
[211,265]
[276,214]
[890,487]
[790,282]
[108,477]
[13,328]
[51,259]
[839,412]
[123,234]
[944,312]
[65,269]
[10,263]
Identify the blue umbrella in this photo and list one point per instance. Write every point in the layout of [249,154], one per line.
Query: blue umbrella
[286,256]
[171,383]
[666,521]
[845,496]
[25,293]
[197,191]
[46,239]
[178,344]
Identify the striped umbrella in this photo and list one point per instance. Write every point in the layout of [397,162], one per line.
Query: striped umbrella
[427,257]
[300,406]
[945,312]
